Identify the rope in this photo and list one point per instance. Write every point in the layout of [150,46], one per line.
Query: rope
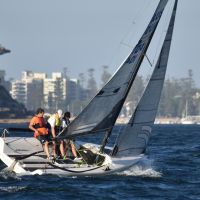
[68,170]
[80,154]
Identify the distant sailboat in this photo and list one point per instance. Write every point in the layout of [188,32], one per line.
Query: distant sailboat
[187,119]
[100,116]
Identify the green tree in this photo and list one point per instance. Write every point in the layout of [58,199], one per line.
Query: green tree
[92,85]
[136,92]
[105,75]
[82,79]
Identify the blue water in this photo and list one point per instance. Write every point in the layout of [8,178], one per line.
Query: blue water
[171,170]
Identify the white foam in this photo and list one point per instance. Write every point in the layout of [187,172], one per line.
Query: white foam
[8,174]
[12,188]
[144,168]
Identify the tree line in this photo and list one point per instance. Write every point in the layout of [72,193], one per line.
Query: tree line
[180,97]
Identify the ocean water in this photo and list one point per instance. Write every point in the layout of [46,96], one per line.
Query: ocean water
[170,170]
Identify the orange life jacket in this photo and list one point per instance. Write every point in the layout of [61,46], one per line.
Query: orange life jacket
[39,124]
[41,131]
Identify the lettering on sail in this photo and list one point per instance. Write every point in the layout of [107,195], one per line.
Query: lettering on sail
[135,52]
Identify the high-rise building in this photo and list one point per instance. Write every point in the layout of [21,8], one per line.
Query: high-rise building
[55,92]
[29,90]
[18,91]
[37,90]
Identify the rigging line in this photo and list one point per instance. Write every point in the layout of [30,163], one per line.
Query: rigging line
[138,14]
[13,141]
[29,155]
[143,54]
[120,129]
[13,149]
[8,144]
[68,170]
[129,34]
[78,151]
[148,59]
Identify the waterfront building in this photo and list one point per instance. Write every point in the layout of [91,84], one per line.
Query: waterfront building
[55,92]
[29,90]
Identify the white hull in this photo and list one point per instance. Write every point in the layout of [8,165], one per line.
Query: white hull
[25,156]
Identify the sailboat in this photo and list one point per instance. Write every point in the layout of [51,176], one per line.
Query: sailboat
[187,119]
[25,156]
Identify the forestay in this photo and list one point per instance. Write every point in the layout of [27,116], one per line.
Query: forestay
[134,138]
[101,113]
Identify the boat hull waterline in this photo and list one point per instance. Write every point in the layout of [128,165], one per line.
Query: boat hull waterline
[25,156]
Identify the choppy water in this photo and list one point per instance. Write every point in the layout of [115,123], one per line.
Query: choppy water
[171,170]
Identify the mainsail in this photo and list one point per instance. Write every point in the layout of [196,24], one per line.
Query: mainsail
[135,136]
[101,113]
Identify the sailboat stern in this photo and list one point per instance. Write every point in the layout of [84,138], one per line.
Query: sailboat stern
[11,163]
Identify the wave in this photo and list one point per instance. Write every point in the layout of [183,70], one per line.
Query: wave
[144,168]
[11,189]
[8,175]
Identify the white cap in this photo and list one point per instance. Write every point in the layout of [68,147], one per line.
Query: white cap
[59,113]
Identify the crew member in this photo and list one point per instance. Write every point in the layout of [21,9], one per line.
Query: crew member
[65,123]
[55,124]
[38,125]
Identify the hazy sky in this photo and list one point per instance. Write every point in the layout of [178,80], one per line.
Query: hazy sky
[48,35]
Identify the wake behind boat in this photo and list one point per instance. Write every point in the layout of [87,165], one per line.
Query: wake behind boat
[25,155]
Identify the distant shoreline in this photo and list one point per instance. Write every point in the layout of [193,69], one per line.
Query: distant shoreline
[119,121]
[15,121]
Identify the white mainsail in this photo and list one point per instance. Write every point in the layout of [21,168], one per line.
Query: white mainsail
[101,113]
[134,138]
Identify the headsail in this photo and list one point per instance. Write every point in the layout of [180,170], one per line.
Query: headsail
[103,110]
[135,136]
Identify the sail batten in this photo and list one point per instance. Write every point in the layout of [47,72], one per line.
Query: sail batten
[138,129]
[105,107]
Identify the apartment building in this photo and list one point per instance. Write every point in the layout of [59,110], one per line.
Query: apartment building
[18,91]
[29,90]
[37,90]
[55,91]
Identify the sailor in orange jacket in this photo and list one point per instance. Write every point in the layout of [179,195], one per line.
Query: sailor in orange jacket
[38,125]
